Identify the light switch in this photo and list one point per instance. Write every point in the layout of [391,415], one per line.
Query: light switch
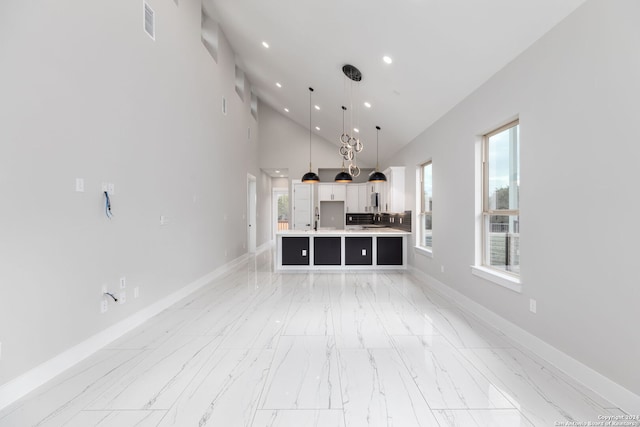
[304,252]
[364,252]
[80,185]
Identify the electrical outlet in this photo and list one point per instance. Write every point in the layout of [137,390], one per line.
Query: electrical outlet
[136,292]
[104,305]
[442,269]
[122,298]
[163,220]
[123,282]
[533,306]
[80,185]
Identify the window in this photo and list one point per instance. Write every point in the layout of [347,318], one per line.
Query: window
[501,206]
[424,237]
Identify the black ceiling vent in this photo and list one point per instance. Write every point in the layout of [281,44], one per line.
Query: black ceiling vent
[352,72]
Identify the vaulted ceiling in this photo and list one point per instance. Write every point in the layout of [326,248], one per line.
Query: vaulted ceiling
[442,50]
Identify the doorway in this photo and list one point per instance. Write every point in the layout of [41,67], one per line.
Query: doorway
[251,213]
[280,211]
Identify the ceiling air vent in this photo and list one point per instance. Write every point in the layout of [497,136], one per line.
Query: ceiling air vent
[149,21]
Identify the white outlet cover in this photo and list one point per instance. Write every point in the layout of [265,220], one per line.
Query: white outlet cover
[123,282]
[136,292]
[533,306]
[122,298]
[80,185]
[104,306]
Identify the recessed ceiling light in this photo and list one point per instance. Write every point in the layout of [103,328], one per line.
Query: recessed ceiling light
[265,44]
[317,107]
[277,171]
[356,130]
[278,84]
[281,176]
[387,59]
[286,110]
[317,127]
[368,105]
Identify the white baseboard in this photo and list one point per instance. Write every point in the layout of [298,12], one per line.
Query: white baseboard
[605,387]
[34,378]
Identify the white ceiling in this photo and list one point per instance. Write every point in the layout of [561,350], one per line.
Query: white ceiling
[441,49]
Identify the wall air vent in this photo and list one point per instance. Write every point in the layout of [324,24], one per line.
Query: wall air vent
[149,22]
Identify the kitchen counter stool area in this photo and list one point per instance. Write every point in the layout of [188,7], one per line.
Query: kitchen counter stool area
[377,249]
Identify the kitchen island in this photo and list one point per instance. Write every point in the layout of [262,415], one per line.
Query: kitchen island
[364,249]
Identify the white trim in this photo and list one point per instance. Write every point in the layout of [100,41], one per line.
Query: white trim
[423,251]
[590,378]
[505,280]
[34,378]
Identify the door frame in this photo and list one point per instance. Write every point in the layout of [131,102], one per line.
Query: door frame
[251,212]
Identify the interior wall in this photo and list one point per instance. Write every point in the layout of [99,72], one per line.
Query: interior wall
[87,94]
[575,92]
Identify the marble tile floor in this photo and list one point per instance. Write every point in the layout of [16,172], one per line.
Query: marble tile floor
[262,349]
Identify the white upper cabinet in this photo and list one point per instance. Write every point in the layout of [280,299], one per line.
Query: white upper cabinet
[357,198]
[393,198]
[331,192]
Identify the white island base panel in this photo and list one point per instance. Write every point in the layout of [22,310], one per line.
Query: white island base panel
[341,250]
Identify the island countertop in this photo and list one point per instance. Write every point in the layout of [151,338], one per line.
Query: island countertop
[374,231]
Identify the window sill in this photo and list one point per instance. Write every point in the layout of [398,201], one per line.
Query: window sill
[505,280]
[423,251]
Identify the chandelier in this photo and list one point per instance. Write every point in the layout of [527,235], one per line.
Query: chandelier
[350,145]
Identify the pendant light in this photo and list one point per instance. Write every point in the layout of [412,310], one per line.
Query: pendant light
[343,176]
[377,176]
[310,177]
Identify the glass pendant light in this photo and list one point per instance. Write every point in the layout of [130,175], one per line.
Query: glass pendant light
[343,176]
[377,176]
[310,177]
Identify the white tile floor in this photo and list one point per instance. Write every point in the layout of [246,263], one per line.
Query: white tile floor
[256,348]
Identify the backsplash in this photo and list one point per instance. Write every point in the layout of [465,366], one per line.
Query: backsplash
[398,221]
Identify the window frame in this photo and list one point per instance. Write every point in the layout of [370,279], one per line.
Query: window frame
[487,212]
[420,238]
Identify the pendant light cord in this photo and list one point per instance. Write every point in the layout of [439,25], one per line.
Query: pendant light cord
[310,108]
[377,145]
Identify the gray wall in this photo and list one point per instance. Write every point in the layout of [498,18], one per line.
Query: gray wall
[87,94]
[576,93]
